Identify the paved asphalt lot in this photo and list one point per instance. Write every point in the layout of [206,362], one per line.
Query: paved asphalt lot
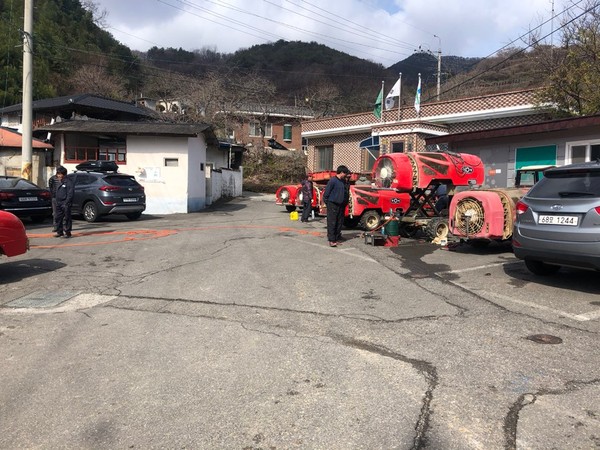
[238,328]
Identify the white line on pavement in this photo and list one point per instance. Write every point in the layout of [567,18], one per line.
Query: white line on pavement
[486,266]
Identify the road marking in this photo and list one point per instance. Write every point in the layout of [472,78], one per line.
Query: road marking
[592,315]
[578,317]
[589,316]
[78,302]
[109,237]
[116,237]
[486,266]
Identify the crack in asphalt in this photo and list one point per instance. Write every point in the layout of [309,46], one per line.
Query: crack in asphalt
[272,308]
[425,368]
[511,421]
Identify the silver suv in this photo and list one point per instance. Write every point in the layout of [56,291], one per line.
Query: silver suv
[558,220]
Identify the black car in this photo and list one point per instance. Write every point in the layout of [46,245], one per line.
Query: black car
[100,191]
[25,199]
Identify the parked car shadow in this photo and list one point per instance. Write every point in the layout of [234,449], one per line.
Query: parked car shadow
[566,278]
[114,218]
[12,270]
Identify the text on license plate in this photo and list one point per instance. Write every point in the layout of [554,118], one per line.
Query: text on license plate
[128,200]
[558,220]
[28,199]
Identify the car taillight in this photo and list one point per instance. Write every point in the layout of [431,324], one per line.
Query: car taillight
[46,195]
[521,207]
[106,188]
[597,208]
[6,195]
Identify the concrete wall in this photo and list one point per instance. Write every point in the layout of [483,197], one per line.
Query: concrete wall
[162,166]
[226,183]
[196,174]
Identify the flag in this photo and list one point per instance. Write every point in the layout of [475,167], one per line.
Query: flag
[378,102]
[394,92]
[418,97]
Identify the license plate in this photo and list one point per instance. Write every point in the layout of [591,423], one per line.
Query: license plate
[558,220]
[130,200]
[28,199]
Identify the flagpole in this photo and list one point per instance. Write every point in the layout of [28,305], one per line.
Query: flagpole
[382,100]
[418,98]
[399,94]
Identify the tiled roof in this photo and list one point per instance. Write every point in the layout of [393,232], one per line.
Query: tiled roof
[132,128]
[10,138]
[439,110]
[83,100]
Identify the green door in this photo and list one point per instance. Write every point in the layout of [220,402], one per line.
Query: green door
[536,156]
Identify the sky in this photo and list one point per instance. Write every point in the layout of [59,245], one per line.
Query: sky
[382,31]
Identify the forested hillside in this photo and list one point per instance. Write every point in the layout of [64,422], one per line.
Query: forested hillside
[73,54]
[65,41]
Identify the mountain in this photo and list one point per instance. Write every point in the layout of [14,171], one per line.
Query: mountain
[73,54]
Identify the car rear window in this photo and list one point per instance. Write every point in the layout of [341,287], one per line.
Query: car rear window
[120,180]
[561,185]
[16,183]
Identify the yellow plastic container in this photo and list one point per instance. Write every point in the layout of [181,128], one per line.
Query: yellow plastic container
[294,215]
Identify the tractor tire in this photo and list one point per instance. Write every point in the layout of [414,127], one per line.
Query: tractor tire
[437,228]
[370,220]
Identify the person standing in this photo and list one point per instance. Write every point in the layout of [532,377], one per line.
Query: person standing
[307,197]
[335,199]
[52,185]
[64,200]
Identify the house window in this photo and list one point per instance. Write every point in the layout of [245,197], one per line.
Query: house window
[325,158]
[578,152]
[171,162]
[369,157]
[257,129]
[397,147]
[113,154]
[81,154]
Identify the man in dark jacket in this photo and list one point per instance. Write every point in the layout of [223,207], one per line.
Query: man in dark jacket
[307,197]
[52,185]
[64,200]
[335,197]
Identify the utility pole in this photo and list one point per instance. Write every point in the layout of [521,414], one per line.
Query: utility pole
[27,118]
[439,68]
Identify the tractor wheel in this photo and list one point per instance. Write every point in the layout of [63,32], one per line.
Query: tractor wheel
[540,268]
[370,220]
[437,228]
[290,208]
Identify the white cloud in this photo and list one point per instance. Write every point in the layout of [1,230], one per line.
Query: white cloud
[358,27]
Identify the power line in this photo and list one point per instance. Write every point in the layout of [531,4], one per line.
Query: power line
[523,49]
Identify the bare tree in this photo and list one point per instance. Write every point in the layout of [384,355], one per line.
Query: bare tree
[574,68]
[322,99]
[99,15]
[94,79]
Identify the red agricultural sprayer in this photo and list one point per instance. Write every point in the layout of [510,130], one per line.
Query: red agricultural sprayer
[429,178]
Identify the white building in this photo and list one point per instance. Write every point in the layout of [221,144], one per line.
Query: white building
[181,166]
